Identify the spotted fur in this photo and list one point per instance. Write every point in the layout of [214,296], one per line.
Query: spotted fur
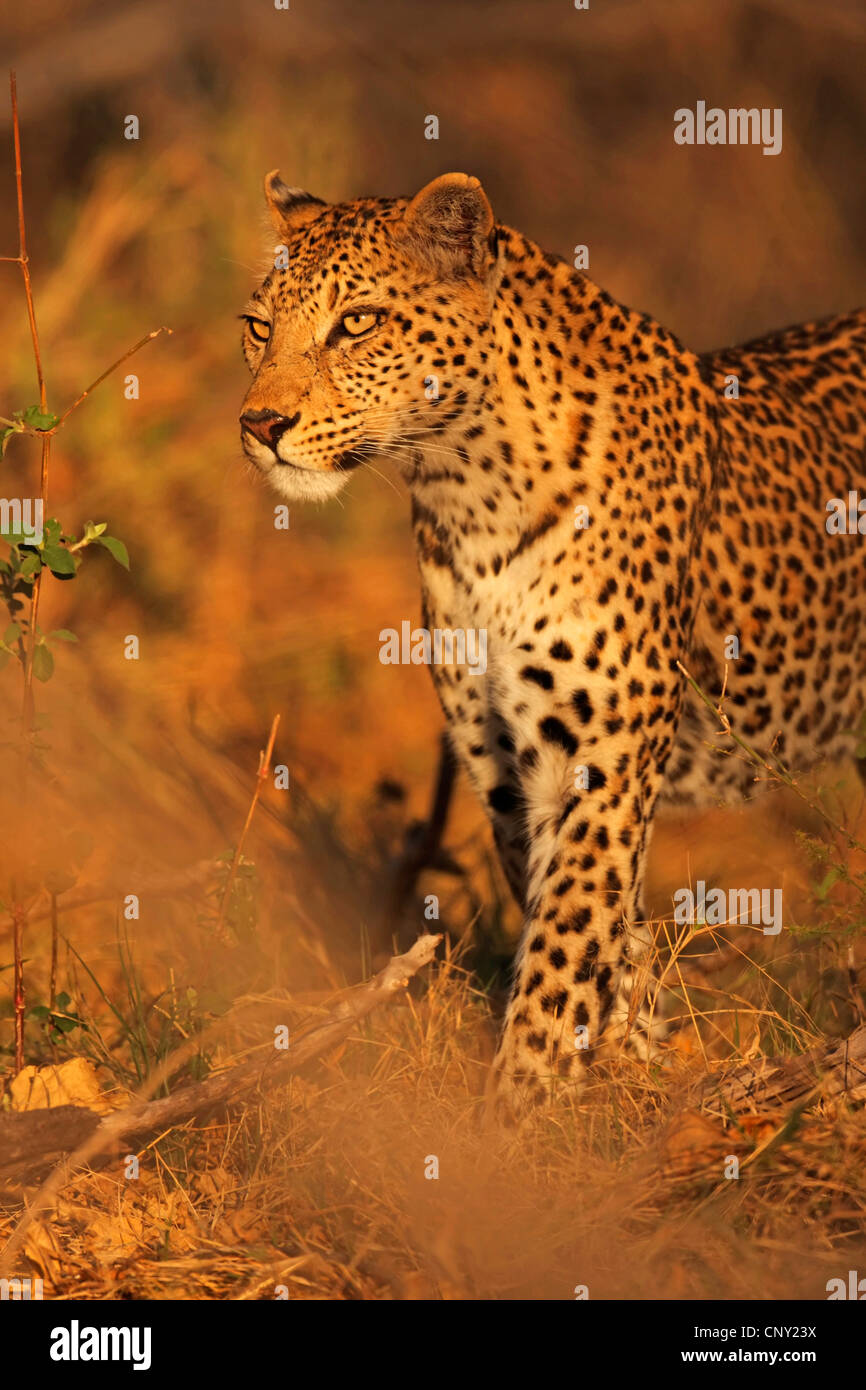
[706,519]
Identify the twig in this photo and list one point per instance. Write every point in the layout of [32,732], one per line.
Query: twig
[22,257]
[148,337]
[24,262]
[190,1102]
[52,978]
[261,775]
[18,953]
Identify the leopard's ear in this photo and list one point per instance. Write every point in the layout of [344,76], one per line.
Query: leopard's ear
[288,206]
[450,224]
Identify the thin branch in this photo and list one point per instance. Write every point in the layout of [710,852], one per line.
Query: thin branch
[52,978]
[24,262]
[17,951]
[148,337]
[27,704]
[22,257]
[264,766]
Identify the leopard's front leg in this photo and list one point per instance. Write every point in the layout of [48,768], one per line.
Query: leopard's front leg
[590,784]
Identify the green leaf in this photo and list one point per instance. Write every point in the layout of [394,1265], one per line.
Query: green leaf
[31,564]
[58,560]
[5,432]
[43,662]
[115,548]
[12,633]
[39,419]
[62,634]
[92,529]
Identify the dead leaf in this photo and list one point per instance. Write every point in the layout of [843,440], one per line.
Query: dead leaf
[70,1083]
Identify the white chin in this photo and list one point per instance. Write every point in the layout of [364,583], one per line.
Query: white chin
[305,484]
[298,484]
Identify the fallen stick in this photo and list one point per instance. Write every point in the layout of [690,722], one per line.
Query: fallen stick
[834,1068]
[21,1134]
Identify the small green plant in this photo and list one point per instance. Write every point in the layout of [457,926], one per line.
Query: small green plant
[58,1020]
[145,1029]
[231,910]
[35,548]
[59,553]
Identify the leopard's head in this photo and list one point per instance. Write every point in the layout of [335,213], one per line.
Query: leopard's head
[371,335]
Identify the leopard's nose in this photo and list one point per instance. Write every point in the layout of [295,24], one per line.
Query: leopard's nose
[267,426]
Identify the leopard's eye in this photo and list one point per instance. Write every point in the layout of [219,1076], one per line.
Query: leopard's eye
[259,330]
[355,324]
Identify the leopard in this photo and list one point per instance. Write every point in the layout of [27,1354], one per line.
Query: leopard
[610,509]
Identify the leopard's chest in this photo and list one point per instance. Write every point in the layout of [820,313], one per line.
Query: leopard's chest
[503,603]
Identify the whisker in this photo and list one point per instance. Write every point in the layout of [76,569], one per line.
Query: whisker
[384,477]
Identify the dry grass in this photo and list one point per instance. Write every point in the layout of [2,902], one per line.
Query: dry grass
[323,1189]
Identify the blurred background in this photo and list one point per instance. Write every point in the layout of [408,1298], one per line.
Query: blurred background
[567,118]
